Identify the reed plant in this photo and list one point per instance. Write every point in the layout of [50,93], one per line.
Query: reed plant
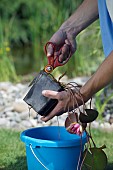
[44,22]
[34,22]
[102,100]
[7,69]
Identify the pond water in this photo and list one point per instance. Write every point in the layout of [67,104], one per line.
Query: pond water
[23,57]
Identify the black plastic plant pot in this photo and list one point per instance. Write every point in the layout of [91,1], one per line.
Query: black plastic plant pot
[34,98]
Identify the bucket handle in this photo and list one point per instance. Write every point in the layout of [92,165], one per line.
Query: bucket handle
[37,157]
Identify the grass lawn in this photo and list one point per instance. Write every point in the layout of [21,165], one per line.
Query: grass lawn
[12,150]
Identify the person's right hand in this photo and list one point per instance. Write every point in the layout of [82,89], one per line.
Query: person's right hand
[64,41]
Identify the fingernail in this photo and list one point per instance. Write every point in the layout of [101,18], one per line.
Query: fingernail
[44,92]
[48,54]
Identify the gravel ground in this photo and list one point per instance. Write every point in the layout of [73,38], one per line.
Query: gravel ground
[14,112]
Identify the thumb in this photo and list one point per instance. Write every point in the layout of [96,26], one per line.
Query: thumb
[49,50]
[50,94]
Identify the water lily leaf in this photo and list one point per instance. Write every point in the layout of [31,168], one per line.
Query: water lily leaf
[99,158]
[90,116]
[88,159]
[103,147]
[96,160]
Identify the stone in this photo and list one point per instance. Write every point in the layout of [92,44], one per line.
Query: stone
[19,127]
[8,109]
[101,126]
[24,115]
[2,115]
[5,85]
[13,124]
[33,122]
[14,112]
[78,80]
[32,113]
[107,117]
[111,120]
[20,106]
[12,89]
[107,125]
[15,117]
[95,124]
[26,123]
[62,119]
[4,122]
[39,125]
[9,114]
[2,108]
[21,86]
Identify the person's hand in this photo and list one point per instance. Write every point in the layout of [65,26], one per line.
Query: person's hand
[65,45]
[63,98]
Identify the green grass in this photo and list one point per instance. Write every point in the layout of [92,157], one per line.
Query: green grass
[12,150]
[106,138]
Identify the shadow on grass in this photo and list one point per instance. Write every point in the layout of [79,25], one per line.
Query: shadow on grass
[20,164]
[110,166]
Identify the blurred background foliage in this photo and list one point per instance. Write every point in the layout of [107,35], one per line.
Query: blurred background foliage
[25,27]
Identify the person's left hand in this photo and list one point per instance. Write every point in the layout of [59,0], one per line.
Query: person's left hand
[63,98]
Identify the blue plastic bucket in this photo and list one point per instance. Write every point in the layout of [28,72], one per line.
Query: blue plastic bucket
[53,148]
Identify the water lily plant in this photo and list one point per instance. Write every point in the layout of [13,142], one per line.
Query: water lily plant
[77,123]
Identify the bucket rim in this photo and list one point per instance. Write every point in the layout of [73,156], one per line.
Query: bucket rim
[52,143]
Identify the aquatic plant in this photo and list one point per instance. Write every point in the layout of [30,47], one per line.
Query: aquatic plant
[7,68]
[77,122]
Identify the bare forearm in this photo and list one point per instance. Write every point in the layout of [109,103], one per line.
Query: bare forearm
[83,17]
[102,77]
